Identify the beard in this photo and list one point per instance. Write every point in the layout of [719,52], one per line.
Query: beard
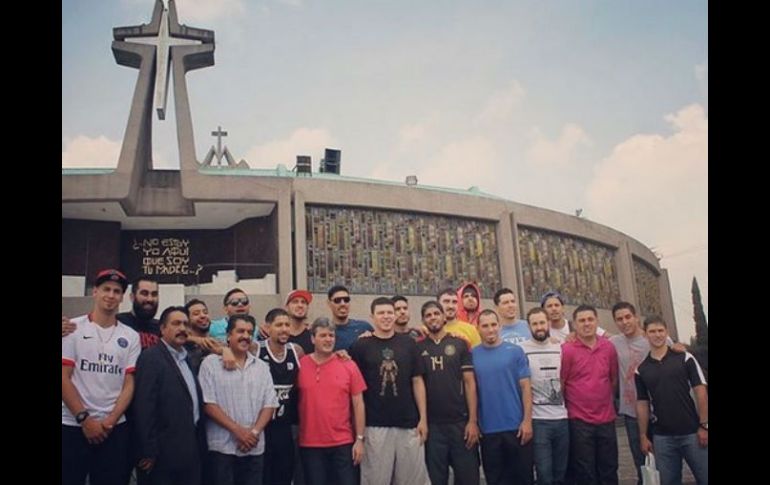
[541,336]
[143,313]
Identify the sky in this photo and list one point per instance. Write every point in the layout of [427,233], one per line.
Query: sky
[593,105]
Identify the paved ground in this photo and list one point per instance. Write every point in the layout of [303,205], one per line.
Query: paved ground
[626,471]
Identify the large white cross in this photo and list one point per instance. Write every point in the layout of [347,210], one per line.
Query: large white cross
[163,43]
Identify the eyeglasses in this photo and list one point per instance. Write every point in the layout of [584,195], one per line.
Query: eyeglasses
[341,299]
[238,301]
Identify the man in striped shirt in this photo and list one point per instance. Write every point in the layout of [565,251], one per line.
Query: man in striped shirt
[239,404]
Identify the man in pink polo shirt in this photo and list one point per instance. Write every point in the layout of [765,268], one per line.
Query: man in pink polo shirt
[589,373]
[331,438]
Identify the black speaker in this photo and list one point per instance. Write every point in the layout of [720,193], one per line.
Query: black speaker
[303,164]
[331,161]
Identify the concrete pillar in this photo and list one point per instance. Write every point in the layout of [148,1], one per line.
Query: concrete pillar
[667,304]
[285,269]
[300,239]
[517,279]
[624,268]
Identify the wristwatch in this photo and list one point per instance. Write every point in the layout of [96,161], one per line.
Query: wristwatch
[81,416]
[705,425]
[360,437]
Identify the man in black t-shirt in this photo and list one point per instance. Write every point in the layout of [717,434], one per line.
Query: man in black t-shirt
[664,379]
[144,306]
[396,421]
[401,304]
[297,306]
[452,402]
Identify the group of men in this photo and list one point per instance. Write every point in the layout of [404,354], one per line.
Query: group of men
[341,400]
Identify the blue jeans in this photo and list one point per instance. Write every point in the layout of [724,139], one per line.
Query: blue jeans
[551,446]
[326,466]
[632,431]
[669,451]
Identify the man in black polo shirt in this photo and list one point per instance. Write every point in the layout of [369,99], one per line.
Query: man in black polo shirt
[664,379]
[452,406]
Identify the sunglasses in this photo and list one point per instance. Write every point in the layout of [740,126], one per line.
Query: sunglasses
[341,299]
[238,301]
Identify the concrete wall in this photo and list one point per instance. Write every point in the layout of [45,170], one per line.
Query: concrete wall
[291,196]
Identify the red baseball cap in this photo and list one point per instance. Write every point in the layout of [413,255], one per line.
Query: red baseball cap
[301,294]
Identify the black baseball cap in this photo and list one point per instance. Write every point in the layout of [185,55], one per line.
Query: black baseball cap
[111,275]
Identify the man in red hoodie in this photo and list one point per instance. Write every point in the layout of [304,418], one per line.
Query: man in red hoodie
[469,297]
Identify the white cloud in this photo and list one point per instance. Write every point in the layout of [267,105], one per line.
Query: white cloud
[291,3]
[461,164]
[303,141]
[199,10]
[702,72]
[415,137]
[413,133]
[702,76]
[101,152]
[559,152]
[206,10]
[85,152]
[650,170]
[501,104]
[655,188]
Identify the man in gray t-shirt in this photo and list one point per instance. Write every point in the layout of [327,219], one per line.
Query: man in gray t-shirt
[549,415]
[632,347]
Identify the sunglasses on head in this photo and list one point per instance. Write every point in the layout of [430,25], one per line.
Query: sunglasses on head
[341,299]
[238,301]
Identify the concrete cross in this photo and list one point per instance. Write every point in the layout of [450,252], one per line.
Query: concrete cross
[163,42]
[219,134]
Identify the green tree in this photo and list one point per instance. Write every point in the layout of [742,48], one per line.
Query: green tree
[699,345]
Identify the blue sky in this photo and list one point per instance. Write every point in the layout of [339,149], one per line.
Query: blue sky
[599,105]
